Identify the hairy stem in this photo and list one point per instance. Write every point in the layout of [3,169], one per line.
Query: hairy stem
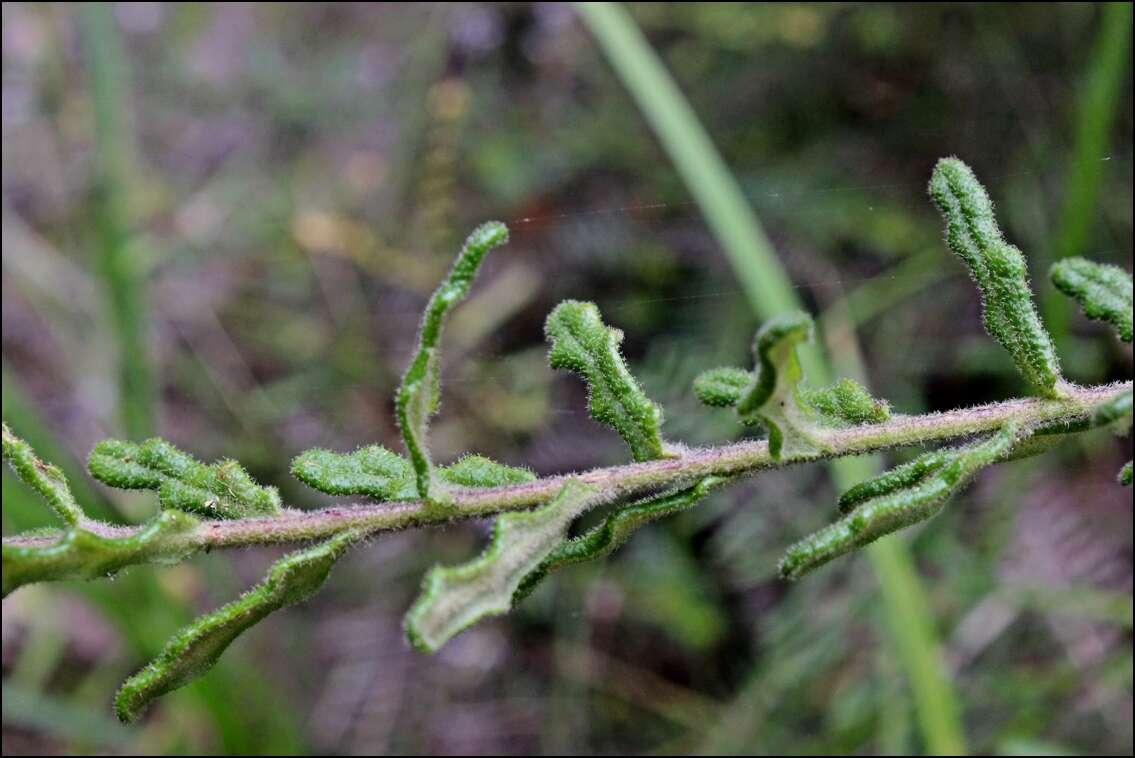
[1073,411]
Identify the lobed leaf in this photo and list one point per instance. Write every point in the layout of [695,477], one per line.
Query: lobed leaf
[848,402]
[775,396]
[45,478]
[615,530]
[902,500]
[582,343]
[456,597]
[386,476]
[1000,272]
[722,387]
[81,554]
[222,490]
[192,651]
[419,395]
[1103,291]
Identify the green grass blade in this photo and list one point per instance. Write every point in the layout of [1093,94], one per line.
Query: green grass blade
[769,292]
[1095,114]
[453,598]
[123,281]
[694,155]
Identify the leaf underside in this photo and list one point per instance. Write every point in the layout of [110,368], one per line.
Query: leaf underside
[615,530]
[454,598]
[775,398]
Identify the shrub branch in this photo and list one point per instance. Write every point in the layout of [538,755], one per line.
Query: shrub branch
[293,526]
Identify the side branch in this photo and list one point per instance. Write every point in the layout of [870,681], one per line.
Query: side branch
[636,478]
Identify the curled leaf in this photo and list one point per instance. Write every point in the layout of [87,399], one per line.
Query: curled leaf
[722,387]
[582,343]
[1000,272]
[454,598]
[615,530]
[222,490]
[844,403]
[419,395]
[45,478]
[775,396]
[192,651]
[81,554]
[386,476]
[1103,292]
[904,497]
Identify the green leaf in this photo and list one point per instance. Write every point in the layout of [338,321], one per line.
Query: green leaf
[582,343]
[900,498]
[775,397]
[1116,411]
[479,471]
[383,475]
[899,478]
[1103,292]
[45,478]
[222,490]
[192,651]
[848,402]
[1116,414]
[1000,272]
[78,553]
[615,530]
[722,387]
[844,403]
[373,471]
[419,395]
[456,597]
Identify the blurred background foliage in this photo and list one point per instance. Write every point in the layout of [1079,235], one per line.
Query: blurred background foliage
[220,223]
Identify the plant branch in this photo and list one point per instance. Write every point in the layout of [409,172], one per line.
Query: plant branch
[631,479]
